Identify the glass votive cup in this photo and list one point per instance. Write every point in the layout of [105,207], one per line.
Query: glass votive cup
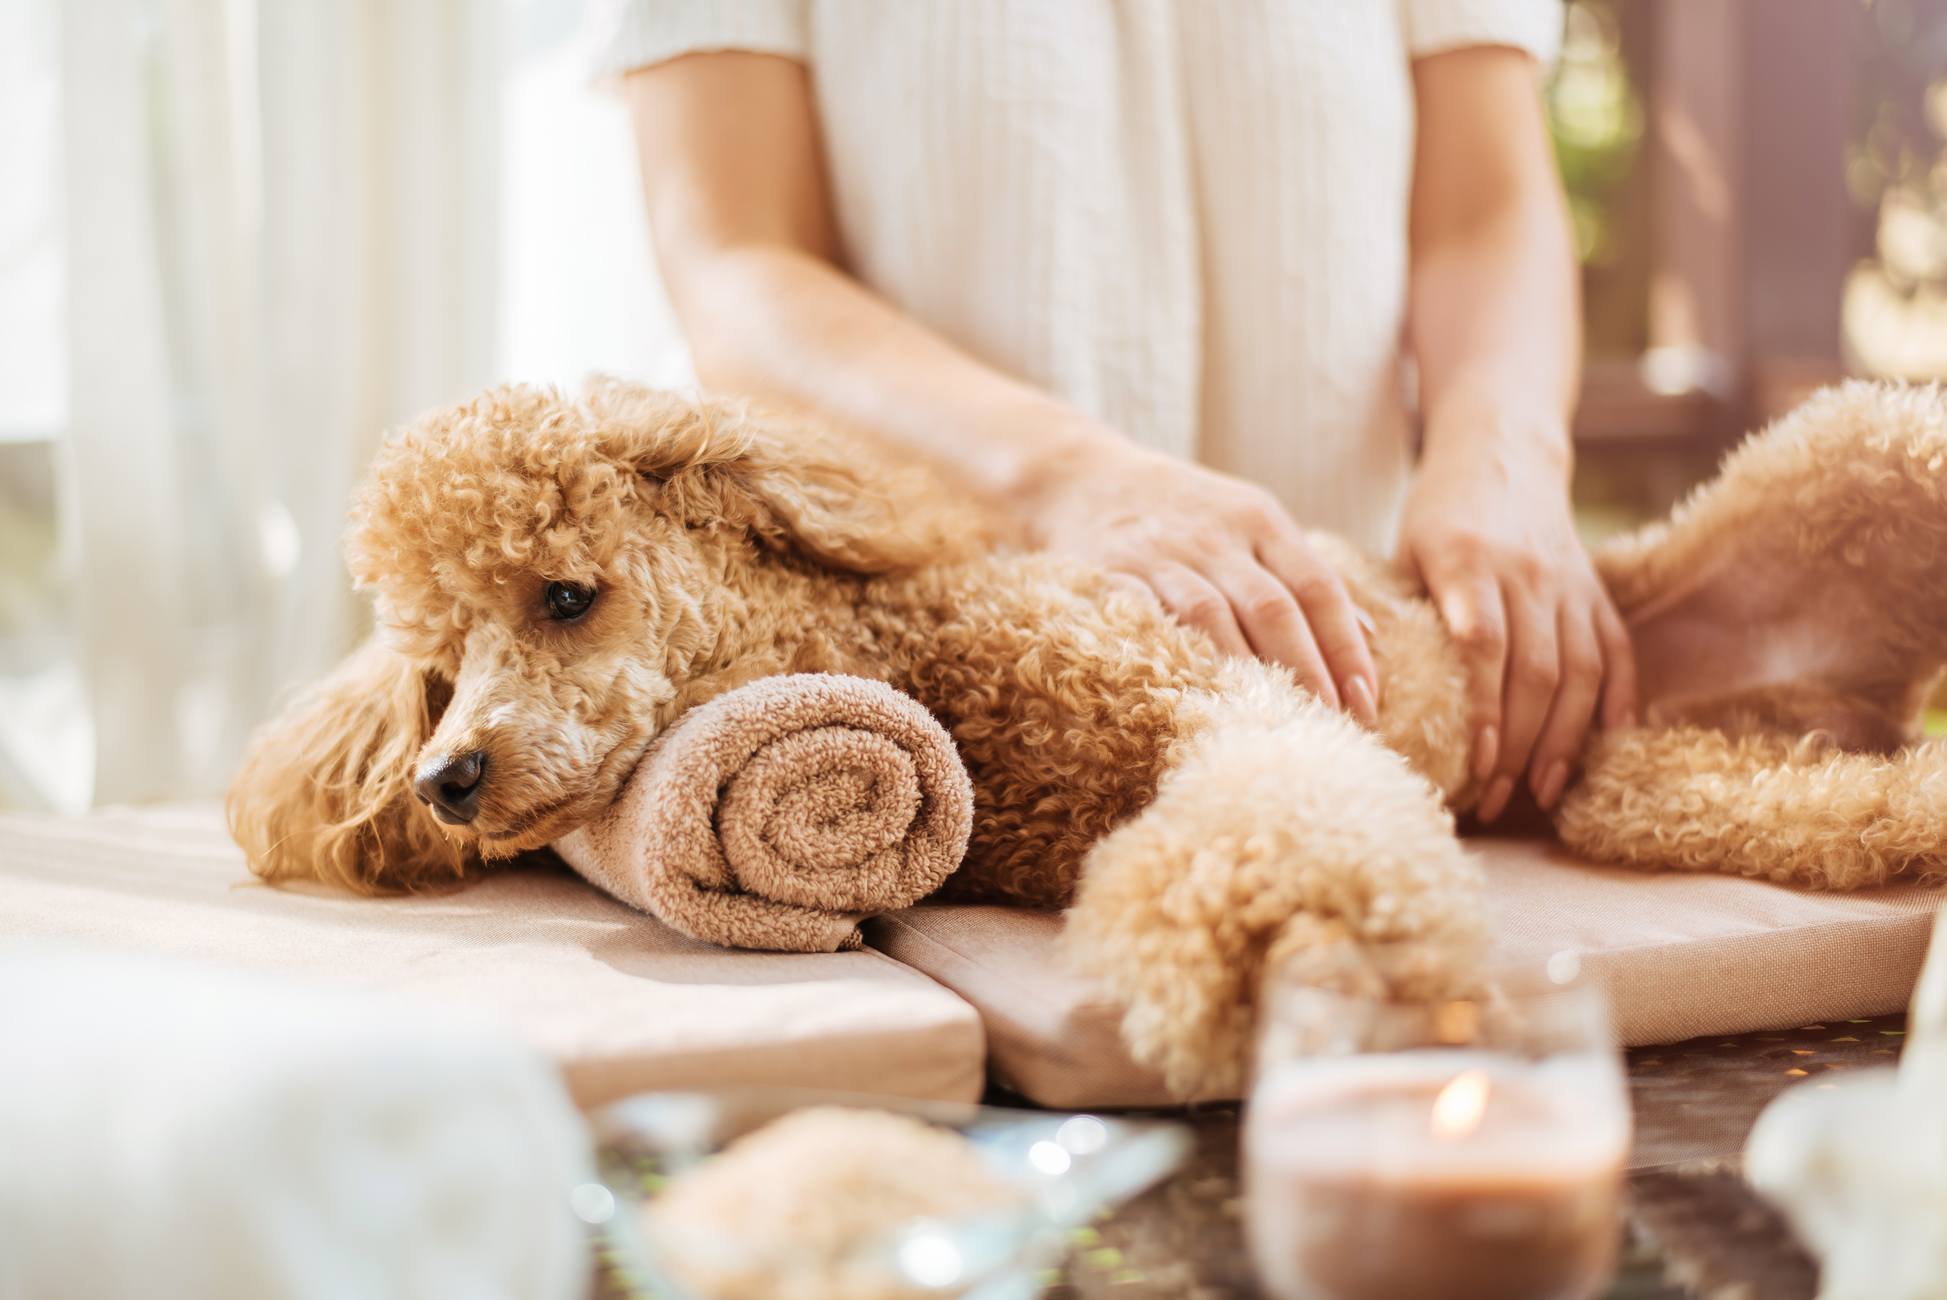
[1468,1149]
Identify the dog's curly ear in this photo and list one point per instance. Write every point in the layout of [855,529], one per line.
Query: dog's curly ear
[325,792]
[842,502]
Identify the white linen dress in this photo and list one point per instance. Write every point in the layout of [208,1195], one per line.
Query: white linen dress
[1187,217]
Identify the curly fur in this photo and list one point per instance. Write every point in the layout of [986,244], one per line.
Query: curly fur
[464,519]
[331,799]
[1792,618]
[1798,811]
[1201,816]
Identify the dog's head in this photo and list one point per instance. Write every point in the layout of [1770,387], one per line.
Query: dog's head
[546,573]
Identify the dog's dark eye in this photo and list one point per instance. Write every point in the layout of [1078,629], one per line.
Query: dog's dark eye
[568,601]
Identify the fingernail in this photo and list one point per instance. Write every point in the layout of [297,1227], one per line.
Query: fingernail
[1552,781]
[1487,748]
[1364,707]
[1495,801]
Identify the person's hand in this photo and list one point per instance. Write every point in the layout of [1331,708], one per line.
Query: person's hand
[1488,529]
[1221,554]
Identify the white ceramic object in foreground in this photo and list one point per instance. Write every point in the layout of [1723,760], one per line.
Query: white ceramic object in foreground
[1860,1165]
[173,1130]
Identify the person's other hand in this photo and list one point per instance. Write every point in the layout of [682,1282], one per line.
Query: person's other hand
[1221,554]
[1489,531]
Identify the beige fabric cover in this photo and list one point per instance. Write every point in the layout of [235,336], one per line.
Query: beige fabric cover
[1681,955]
[620,1001]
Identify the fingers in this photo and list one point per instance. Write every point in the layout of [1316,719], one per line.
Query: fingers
[1276,627]
[1474,612]
[1197,603]
[1619,698]
[1335,624]
[1573,709]
[1534,670]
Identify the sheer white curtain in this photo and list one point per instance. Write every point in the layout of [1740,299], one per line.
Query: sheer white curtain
[280,221]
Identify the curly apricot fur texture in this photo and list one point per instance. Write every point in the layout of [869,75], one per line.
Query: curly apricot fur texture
[1200,816]
[1815,775]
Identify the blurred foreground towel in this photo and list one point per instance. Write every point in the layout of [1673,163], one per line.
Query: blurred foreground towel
[179,1132]
[782,813]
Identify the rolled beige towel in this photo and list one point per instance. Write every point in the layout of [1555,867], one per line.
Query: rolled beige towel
[781,814]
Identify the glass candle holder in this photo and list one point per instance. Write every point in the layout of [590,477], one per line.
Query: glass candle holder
[1453,1150]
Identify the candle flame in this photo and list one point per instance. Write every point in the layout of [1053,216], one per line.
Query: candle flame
[1460,1106]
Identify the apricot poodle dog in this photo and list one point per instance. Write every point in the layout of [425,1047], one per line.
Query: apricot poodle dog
[556,579]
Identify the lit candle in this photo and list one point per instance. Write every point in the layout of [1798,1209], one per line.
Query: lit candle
[1437,1174]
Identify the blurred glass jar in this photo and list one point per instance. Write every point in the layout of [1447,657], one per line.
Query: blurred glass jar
[1445,1151]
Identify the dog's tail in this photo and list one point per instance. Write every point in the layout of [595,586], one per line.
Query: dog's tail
[1281,833]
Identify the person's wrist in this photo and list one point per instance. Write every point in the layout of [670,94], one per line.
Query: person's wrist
[1067,449]
[1505,433]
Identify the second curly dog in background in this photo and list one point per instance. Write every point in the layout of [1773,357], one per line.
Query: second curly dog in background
[557,580]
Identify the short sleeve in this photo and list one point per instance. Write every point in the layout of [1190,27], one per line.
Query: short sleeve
[631,34]
[1532,25]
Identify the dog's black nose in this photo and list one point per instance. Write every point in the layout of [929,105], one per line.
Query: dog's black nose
[451,784]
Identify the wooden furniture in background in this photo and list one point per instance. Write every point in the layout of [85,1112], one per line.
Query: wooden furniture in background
[1738,225]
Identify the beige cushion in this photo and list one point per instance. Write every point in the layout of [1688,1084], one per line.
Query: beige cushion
[620,1001]
[1681,955]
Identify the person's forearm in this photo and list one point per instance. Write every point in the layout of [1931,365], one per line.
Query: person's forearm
[736,194]
[786,326]
[1495,327]
[1493,317]
[736,197]
[1487,524]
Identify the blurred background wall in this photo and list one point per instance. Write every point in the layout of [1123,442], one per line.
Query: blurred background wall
[240,238]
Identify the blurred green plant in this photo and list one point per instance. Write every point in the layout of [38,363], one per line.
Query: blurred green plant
[1596,120]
